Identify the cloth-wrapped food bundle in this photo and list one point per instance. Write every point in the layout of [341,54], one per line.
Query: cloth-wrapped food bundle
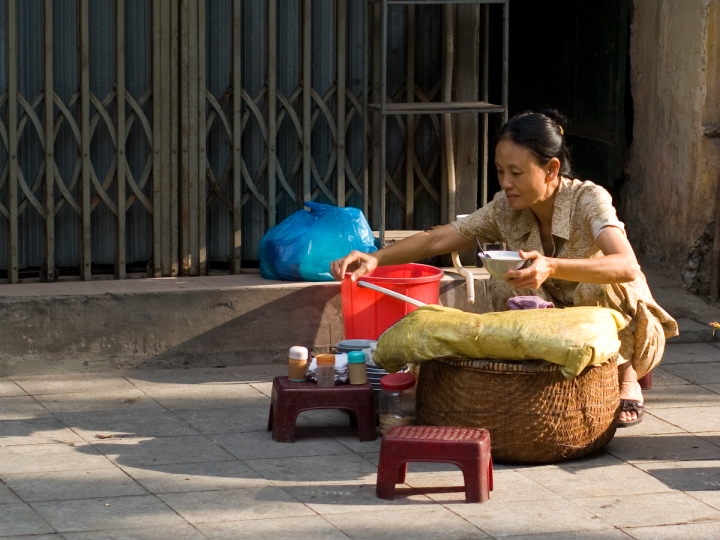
[573,338]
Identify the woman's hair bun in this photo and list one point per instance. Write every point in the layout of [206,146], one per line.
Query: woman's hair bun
[542,133]
[556,116]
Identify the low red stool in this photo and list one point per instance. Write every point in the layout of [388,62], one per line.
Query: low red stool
[467,448]
[646,381]
[289,399]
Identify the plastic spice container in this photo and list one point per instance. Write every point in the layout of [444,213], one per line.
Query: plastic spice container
[326,370]
[297,363]
[397,401]
[357,369]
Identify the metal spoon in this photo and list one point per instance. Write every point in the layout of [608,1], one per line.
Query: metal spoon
[482,251]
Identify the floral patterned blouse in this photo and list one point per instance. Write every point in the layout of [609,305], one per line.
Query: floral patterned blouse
[583,210]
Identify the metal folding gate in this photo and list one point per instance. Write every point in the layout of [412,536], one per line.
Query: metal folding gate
[175,133]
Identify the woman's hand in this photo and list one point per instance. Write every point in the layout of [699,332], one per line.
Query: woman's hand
[534,275]
[357,262]
[417,247]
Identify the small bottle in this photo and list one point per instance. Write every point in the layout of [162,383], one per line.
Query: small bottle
[326,370]
[357,369]
[297,363]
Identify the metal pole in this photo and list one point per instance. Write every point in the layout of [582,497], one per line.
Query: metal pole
[375,117]
[12,271]
[307,99]
[120,252]
[49,146]
[341,52]
[157,139]
[85,269]
[365,90]
[185,133]
[383,116]
[506,54]
[194,137]
[485,98]
[162,145]
[174,137]
[410,122]
[271,107]
[202,136]
[236,248]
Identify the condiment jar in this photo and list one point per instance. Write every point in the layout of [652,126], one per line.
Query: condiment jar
[297,363]
[325,370]
[357,369]
[397,401]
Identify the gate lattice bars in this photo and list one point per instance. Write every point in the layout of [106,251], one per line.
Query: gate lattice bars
[70,131]
[123,139]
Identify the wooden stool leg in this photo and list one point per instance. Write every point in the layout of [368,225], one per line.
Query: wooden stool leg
[386,477]
[365,417]
[283,429]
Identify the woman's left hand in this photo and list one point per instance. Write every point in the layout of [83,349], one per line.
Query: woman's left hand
[534,275]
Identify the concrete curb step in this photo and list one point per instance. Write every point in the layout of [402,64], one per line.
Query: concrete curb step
[694,332]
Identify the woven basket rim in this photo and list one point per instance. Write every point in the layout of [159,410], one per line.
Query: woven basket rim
[509,366]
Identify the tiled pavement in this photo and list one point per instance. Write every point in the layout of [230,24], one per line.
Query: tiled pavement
[183,454]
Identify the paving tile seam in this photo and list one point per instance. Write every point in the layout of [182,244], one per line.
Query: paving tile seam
[710,389]
[710,441]
[186,522]
[583,509]
[282,457]
[565,532]
[628,530]
[37,514]
[449,508]
[690,494]
[334,526]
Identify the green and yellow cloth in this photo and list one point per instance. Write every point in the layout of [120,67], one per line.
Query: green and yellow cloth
[573,338]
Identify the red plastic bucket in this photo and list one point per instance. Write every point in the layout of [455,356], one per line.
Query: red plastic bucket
[367,313]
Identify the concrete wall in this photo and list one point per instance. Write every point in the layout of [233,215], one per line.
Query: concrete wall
[669,199]
[176,322]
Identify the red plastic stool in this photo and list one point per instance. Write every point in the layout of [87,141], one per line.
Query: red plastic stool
[289,399]
[646,381]
[467,448]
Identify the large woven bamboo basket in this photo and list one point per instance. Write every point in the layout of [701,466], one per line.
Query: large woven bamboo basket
[533,413]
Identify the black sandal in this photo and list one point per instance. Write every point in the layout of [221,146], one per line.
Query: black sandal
[632,405]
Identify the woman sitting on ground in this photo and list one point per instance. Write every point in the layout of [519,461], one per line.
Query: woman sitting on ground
[568,229]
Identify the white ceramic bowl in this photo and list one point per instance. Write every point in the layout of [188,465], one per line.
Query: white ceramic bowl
[500,262]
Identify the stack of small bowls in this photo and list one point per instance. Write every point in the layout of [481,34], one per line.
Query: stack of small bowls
[374,373]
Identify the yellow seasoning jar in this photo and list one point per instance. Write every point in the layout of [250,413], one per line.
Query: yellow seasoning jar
[326,370]
[297,363]
[357,368]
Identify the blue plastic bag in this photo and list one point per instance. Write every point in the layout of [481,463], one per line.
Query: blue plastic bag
[303,246]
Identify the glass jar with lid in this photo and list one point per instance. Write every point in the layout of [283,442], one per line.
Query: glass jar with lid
[396,405]
[325,370]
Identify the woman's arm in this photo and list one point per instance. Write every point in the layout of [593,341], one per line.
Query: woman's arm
[618,265]
[437,241]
